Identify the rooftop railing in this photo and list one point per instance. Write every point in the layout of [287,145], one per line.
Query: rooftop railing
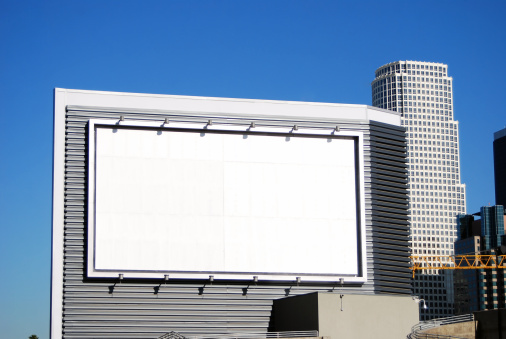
[418,329]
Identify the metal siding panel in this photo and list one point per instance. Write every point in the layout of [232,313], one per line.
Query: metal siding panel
[390,225]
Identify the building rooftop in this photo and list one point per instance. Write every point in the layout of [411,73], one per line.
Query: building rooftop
[500,134]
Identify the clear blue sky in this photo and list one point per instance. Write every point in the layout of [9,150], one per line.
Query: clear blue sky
[323,51]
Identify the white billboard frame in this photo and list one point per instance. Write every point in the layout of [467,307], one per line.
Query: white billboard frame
[93,271]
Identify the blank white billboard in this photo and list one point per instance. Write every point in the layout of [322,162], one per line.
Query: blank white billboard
[193,203]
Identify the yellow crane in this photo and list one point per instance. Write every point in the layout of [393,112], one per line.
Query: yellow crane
[457,262]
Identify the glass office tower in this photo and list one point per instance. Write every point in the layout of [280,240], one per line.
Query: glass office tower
[422,93]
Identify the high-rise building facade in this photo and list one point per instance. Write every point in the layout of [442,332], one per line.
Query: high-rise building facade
[422,92]
[500,166]
[466,281]
[477,290]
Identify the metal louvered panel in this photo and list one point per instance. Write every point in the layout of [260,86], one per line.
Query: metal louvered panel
[389,209]
[100,308]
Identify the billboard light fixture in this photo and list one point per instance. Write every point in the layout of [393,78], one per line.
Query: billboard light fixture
[166,121]
[121,119]
[297,279]
[245,289]
[157,288]
[252,125]
[337,129]
[295,128]
[111,288]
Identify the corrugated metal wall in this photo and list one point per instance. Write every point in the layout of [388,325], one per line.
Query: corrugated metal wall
[389,228]
[133,309]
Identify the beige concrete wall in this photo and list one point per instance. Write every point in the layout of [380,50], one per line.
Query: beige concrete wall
[366,316]
[352,316]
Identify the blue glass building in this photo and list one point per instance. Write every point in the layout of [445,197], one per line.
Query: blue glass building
[492,226]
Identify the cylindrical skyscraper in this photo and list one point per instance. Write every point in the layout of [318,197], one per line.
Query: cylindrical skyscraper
[422,92]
